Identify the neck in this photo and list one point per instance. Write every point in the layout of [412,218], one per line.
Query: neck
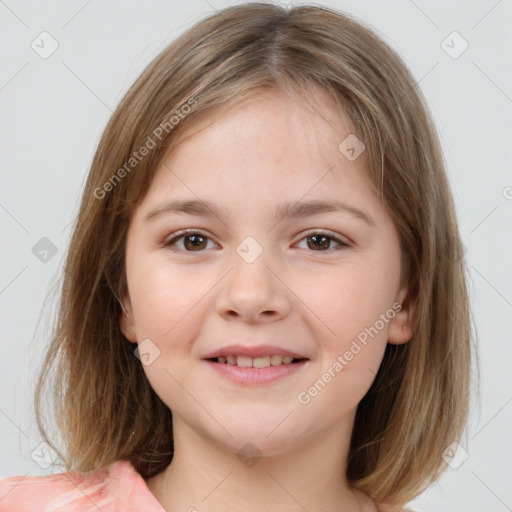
[204,476]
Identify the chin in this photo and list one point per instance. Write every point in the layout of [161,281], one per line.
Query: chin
[256,437]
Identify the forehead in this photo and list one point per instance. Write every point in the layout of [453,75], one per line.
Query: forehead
[311,107]
[272,146]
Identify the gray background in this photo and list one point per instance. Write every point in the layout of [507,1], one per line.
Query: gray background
[54,109]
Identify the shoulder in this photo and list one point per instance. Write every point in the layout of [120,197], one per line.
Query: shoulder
[52,492]
[112,488]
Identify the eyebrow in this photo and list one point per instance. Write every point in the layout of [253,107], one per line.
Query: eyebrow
[294,210]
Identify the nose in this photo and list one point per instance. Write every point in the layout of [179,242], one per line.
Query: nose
[253,292]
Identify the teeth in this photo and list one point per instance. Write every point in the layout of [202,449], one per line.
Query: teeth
[276,360]
[243,361]
[256,362]
[261,362]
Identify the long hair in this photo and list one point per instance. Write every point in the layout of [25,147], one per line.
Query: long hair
[104,406]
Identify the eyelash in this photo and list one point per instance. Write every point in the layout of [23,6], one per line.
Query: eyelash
[169,242]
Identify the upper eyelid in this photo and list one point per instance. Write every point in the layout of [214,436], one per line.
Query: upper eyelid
[186,232]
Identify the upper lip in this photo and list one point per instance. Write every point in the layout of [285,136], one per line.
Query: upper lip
[253,351]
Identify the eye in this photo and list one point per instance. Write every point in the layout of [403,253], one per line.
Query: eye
[320,240]
[193,241]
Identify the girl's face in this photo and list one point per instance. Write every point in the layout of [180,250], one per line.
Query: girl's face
[262,272]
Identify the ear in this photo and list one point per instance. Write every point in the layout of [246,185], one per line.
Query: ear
[402,326]
[126,320]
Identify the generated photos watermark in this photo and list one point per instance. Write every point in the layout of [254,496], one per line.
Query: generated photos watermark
[361,341]
[137,156]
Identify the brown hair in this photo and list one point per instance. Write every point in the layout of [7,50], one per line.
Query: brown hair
[105,408]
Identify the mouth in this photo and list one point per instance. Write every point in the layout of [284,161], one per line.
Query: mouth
[256,362]
[255,365]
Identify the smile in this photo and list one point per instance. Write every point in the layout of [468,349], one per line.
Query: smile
[255,362]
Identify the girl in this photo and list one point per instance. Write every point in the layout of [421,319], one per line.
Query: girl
[264,304]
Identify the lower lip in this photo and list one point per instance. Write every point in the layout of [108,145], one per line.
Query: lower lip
[255,376]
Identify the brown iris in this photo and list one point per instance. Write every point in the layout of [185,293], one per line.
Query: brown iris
[324,240]
[198,242]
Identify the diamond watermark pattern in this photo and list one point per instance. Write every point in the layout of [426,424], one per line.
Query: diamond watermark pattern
[147,352]
[351,147]
[43,455]
[249,249]
[455,455]
[454,45]
[249,454]
[44,250]
[44,45]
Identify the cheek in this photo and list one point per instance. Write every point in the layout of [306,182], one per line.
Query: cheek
[167,306]
[355,309]
[163,300]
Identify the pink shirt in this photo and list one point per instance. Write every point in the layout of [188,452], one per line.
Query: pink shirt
[118,487]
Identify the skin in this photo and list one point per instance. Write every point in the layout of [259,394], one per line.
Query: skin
[266,152]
